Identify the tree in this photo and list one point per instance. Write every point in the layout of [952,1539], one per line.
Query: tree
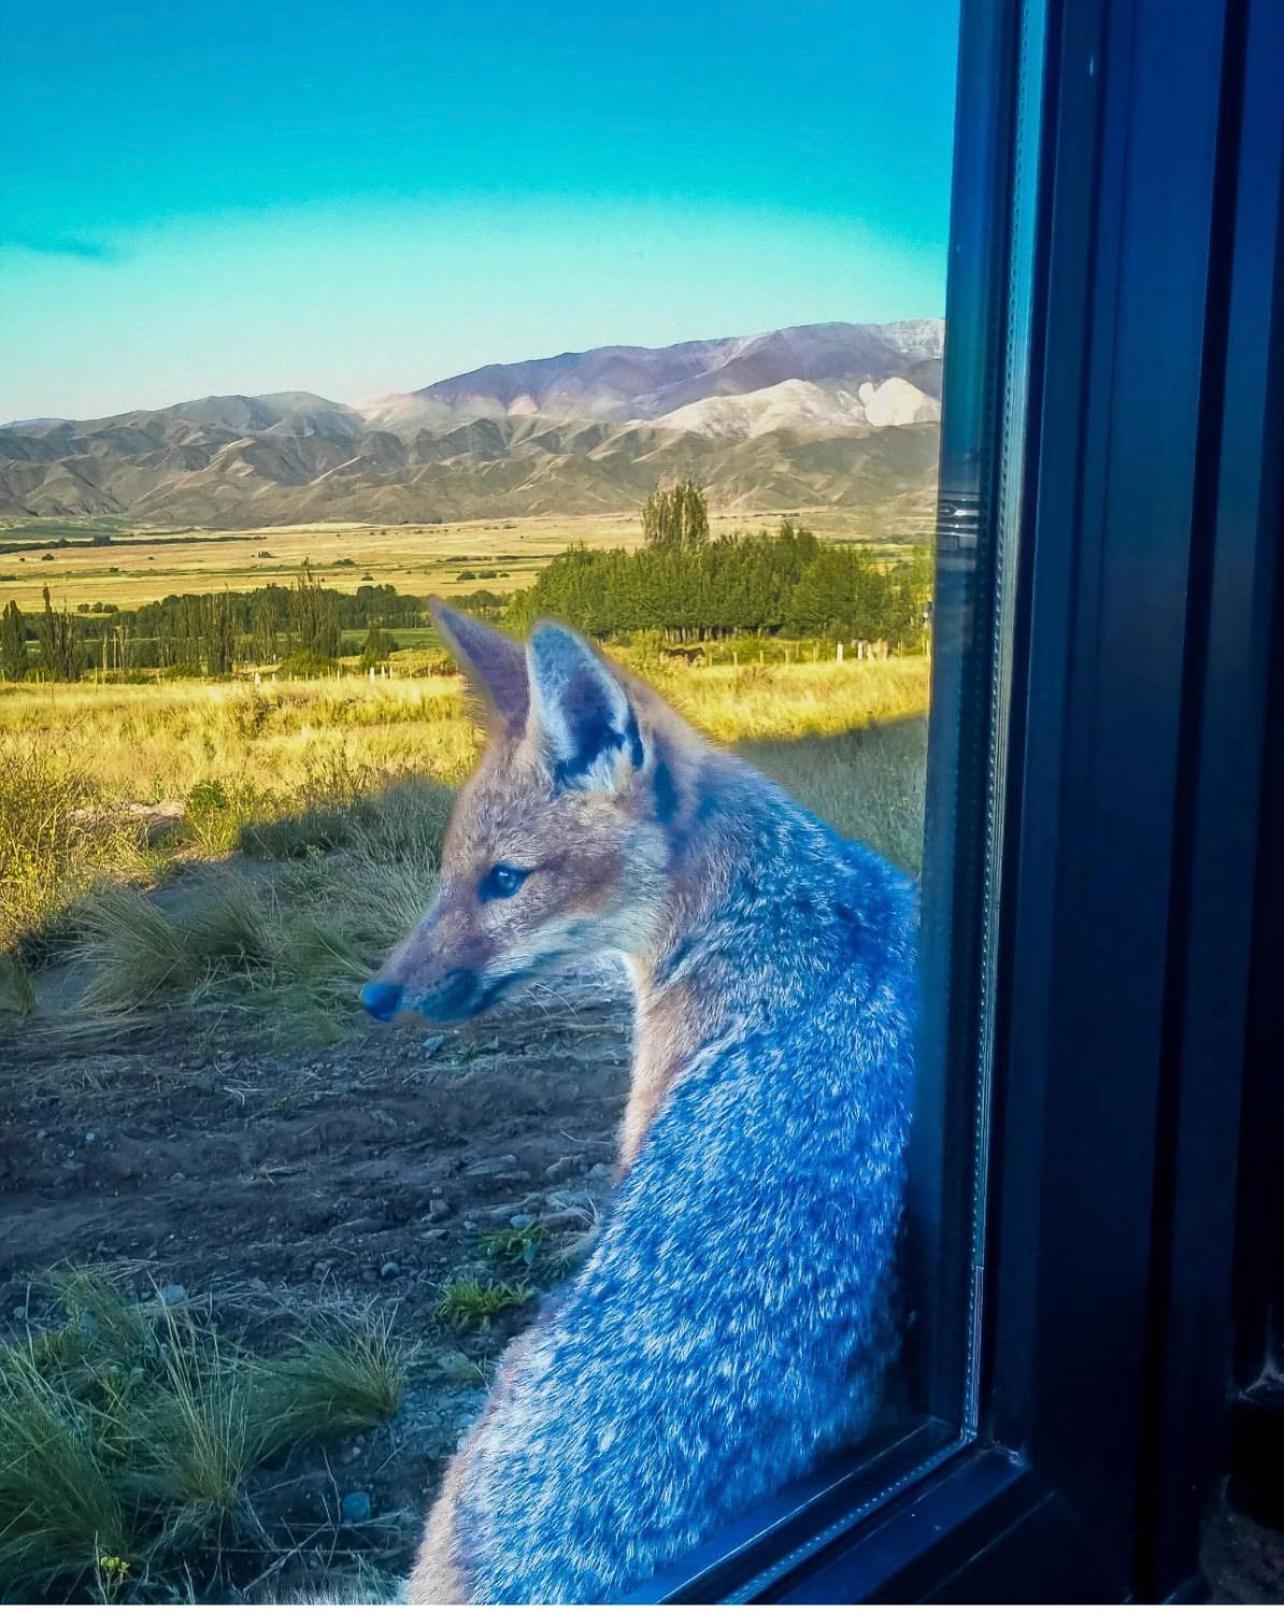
[220,637]
[842,593]
[13,642]
[62,651]
[263,630]
[314,616]
[378,646]
[676,517]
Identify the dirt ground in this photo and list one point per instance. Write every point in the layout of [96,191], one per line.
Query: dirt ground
[274,1187]
[271,1187]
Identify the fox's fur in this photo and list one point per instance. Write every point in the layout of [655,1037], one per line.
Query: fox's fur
[736,1318]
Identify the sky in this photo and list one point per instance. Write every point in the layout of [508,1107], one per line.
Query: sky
[355,199]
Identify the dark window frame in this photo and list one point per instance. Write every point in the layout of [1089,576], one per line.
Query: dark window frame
[1119,409]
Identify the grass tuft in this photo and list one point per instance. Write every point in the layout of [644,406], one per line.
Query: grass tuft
[127,1435]
[469,1303]
[345,1378]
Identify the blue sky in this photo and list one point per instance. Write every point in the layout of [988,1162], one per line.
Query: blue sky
[352,199]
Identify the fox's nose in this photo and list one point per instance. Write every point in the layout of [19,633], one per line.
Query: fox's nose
[381,998]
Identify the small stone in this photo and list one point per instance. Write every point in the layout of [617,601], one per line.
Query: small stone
[90,1136]
[438,1209]
[390,1268]
[500,1165]
[599,1172]
[173,1294]
[433,1042]
[519,1223]
[456,1366]
[355,1507]
[20,1313]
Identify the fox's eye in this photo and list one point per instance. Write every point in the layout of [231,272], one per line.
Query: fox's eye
[502,880]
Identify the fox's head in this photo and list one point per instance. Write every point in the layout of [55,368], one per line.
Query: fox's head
[559,843]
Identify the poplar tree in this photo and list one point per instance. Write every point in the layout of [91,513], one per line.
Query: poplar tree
[13,642]
[676,517]
[62,654]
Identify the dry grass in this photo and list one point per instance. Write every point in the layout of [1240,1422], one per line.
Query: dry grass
[306,821]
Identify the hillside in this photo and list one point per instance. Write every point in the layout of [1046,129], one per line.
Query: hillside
[835,414]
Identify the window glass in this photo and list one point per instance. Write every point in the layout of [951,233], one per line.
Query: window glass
[494,971]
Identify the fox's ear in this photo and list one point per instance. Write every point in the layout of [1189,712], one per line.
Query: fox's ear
[494,665]
[580,713]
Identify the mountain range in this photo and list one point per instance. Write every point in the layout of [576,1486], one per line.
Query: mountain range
[833,414]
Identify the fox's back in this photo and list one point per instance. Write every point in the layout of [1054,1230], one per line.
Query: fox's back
[736,1317]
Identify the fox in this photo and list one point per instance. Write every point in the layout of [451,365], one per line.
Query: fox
[736,1319]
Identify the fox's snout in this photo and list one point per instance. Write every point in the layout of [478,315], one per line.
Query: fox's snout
[381,998]
[456,995]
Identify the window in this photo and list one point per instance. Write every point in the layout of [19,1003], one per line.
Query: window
[951,1162]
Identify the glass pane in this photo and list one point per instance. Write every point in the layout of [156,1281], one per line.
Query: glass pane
[550,679]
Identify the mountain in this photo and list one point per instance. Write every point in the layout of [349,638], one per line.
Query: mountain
[817,414]
[647,383]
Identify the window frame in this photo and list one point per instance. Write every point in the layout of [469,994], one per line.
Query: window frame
[1120,408]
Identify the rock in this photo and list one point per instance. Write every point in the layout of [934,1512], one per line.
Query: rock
[455,1365]
[500,1165]
[90,1136]
[599,1173]
[438,1209]
[20,1313]
[390,1268]
[433,1042]
[519,1223]
[355,1507]
[172,1294]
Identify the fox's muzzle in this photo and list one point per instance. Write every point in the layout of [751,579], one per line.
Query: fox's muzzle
[381,998]
[457,995]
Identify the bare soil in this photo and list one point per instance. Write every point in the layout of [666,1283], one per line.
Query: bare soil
[271,1186]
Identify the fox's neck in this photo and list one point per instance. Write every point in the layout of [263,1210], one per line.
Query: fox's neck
[753,928]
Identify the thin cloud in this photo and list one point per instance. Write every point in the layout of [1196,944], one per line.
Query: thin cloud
[63,246]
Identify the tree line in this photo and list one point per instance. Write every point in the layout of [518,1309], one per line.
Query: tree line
[208,635]
[683,582]
[689,585]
